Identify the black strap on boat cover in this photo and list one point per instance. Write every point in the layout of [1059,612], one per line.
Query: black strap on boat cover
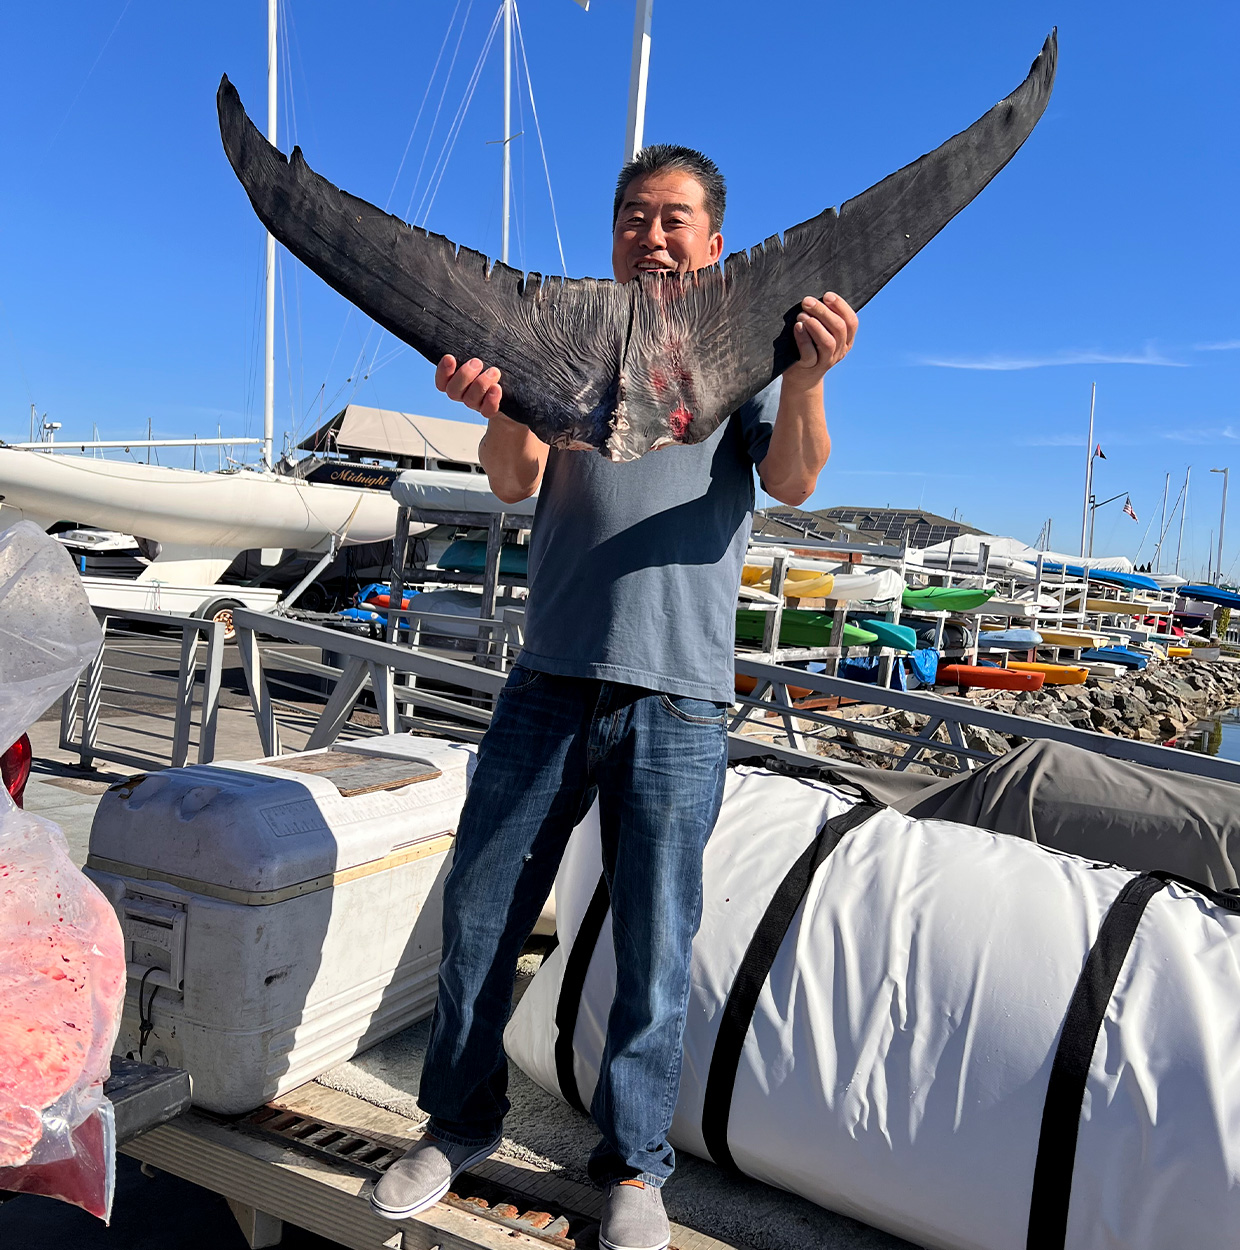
[754,969]
[1065,1091]
[576,966]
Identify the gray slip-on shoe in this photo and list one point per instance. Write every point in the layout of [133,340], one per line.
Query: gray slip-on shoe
[423,1175]
[634,1219]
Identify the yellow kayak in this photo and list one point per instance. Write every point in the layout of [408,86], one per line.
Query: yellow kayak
[798,583]
[1117,606]
[1054,674]
[1181,652]
[1071,637]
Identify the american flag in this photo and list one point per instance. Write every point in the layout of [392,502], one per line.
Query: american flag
[1129,509]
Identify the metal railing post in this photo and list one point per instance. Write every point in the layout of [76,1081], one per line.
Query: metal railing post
[211,691]
[184,696]
[93,692]
[260,695]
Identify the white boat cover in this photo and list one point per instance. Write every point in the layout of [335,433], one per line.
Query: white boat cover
[1014,549]
[448,491]
[952,1034]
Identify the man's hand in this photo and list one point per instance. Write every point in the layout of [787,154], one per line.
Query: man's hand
[799,446]
[471,384]
[512,455]
[824,332]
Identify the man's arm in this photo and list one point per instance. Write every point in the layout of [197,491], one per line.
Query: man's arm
[800,443]
[511,454]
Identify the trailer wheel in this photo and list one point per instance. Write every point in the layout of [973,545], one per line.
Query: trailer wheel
[222,611]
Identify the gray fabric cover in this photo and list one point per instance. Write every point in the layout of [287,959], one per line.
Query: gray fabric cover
[1073,800]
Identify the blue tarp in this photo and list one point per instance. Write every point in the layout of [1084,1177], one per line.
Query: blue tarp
[1134,581]
[1210,594]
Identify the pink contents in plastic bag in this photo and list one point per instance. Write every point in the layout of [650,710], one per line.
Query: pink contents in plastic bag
[62,955]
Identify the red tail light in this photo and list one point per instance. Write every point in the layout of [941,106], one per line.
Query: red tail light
[15,768]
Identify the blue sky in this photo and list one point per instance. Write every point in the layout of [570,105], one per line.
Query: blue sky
[1106,252]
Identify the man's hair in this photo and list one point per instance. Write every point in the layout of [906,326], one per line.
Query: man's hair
[670,156]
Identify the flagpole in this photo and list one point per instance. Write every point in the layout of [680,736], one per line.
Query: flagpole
[1089,468]
[1162,526]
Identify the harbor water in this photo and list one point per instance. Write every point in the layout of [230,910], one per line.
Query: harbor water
[1219,735]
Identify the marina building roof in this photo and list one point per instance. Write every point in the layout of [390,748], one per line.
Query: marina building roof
[923,529]
[402,436]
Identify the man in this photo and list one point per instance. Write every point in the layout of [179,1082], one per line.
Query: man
[621,695]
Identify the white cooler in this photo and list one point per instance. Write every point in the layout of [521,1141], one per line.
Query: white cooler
[279,916]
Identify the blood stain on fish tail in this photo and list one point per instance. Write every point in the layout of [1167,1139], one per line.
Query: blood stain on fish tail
[678,421]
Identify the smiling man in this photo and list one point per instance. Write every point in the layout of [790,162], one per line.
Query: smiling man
[620,695]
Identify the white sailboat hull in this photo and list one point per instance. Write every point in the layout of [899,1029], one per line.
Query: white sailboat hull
[229,512]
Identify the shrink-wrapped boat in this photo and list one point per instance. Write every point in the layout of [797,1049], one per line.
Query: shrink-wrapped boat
[952,1034]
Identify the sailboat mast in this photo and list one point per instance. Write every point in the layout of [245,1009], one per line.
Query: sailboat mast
[637,80]
[1162,526]
[269,375]
[1089,467]
[507,143]
[1183,513]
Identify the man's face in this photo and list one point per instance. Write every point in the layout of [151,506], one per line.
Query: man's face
[663,225]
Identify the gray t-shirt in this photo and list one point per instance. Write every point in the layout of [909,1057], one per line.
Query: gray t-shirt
[634,567]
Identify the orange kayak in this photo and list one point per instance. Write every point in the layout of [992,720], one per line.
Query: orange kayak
[1055,674]
[988,678]
[747,685]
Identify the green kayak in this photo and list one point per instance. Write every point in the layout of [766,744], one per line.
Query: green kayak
[800,629]
[946,598]
[898,637]
[468,555]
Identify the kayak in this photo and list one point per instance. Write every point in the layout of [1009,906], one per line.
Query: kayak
[1209,594]
[1180,652]
[747,685]
[1070,637]
[1133,581]
[1115,607]
[1009,637]
[800,629]
[1054,674]
[468,555]
[798,583]
[1116,655]
[987,678]
[898,637]
[946,598]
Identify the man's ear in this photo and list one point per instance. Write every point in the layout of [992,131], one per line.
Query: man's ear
[716,247]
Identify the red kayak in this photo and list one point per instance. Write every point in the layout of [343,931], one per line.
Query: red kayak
[988,678]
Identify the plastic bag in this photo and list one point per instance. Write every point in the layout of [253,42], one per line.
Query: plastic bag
[62,956]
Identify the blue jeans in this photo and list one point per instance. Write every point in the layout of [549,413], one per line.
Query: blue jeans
[656,763]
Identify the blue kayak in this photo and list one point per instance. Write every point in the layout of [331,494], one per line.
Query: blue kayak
[1116,655]
[1009,638]
[1134,581]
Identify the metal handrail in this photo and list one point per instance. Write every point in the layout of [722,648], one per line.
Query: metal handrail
[79,728]
[368,664]
[952,715]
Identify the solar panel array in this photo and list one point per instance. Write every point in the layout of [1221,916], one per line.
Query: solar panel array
[788,522]
[923,529]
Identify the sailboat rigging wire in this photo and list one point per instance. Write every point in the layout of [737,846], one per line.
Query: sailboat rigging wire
[288,355]
[89,72]
[425,96]
[538,130]
[1143,538]
[417,178]
[454,131]
[358,375]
